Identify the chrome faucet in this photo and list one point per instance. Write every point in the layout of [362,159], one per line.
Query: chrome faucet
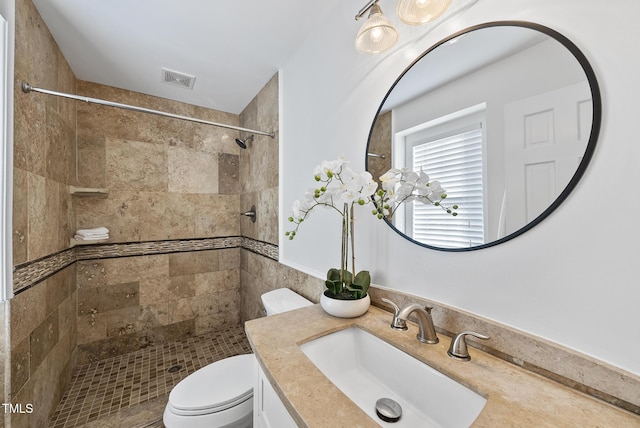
[458,348]
[396,323]
[427,331]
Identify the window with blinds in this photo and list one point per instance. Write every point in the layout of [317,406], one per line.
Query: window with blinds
[455,159]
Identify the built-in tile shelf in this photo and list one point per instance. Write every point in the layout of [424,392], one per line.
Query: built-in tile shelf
[88,191]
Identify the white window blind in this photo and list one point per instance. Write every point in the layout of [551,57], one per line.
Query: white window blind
[456,161]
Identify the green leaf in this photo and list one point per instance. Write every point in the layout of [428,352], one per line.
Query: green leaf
[363,279]
[334,286]
[348,287]
[346,278]
[333,274]
[360,285]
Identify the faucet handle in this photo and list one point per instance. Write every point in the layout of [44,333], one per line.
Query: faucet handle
[458,348]
[396,323]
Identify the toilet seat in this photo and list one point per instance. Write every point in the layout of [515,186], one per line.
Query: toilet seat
[214,388]
[221,394]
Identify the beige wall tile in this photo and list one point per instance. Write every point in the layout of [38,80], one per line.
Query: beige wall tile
[130,269]
[229,174]
[229,300]
[122,322]
[20,368]
[216,215]
[153,315]
[91,328]
[67,312]
[140,216]
[185,309]
[60,147]
[193,262]
[259,166]
[92,273]
[151,273]
[20,215]
[176,293]
[171,332]
[43,319]
[92,151]
[192,171]
[230,258]
[261,274]
[268,225]
[28,310]
[115,213]
[136,165]
[44,141]
[183,286]
[57,290]
[111,347]
[380,144]
[42,340]
[155,290]
[211,282]
[112,297]
[162,174]
[41,214]
[164,216]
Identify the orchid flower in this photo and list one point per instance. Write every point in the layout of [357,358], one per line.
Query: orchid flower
[341,189]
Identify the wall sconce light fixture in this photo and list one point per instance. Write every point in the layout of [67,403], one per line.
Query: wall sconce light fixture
[418,12]
[378,34]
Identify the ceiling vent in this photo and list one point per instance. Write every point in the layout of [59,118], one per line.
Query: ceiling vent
[177,78]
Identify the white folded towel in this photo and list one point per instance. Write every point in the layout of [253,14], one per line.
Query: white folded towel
[96,231]
[91,237]
[94,234]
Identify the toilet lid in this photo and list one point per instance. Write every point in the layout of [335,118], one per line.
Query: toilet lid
[215,387]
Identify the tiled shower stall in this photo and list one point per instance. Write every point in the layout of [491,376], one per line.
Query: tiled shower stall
[181,261]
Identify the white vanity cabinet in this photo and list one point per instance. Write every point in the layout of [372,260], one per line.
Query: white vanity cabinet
[268,410]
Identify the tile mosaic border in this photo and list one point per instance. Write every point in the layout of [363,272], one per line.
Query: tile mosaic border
[262,248]
[28,274]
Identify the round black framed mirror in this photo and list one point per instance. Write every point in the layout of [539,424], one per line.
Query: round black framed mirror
[505,115]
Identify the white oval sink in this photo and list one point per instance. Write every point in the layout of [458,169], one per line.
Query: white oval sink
[366,368]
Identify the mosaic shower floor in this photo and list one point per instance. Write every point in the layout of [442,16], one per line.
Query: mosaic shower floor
[131,390]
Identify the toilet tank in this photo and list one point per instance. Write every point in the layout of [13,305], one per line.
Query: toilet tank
[283,300]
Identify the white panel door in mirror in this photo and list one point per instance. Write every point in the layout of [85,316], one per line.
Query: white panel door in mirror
[544,144]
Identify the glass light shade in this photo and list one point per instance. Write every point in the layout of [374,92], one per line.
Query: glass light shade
[418,12]
[377,34]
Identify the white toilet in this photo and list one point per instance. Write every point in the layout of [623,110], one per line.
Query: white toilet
[221,394]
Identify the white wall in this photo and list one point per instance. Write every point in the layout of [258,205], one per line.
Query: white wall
[572,279]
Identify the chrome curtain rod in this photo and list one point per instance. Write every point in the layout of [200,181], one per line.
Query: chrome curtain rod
[26,88]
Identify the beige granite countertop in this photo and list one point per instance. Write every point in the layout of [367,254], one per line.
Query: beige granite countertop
[515,397]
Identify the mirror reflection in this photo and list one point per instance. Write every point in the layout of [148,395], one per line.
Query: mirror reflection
[505,116]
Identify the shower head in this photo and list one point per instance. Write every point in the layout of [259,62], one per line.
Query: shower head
[243,143]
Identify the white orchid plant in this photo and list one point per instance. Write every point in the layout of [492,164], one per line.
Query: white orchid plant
[402,185]
[341,189]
